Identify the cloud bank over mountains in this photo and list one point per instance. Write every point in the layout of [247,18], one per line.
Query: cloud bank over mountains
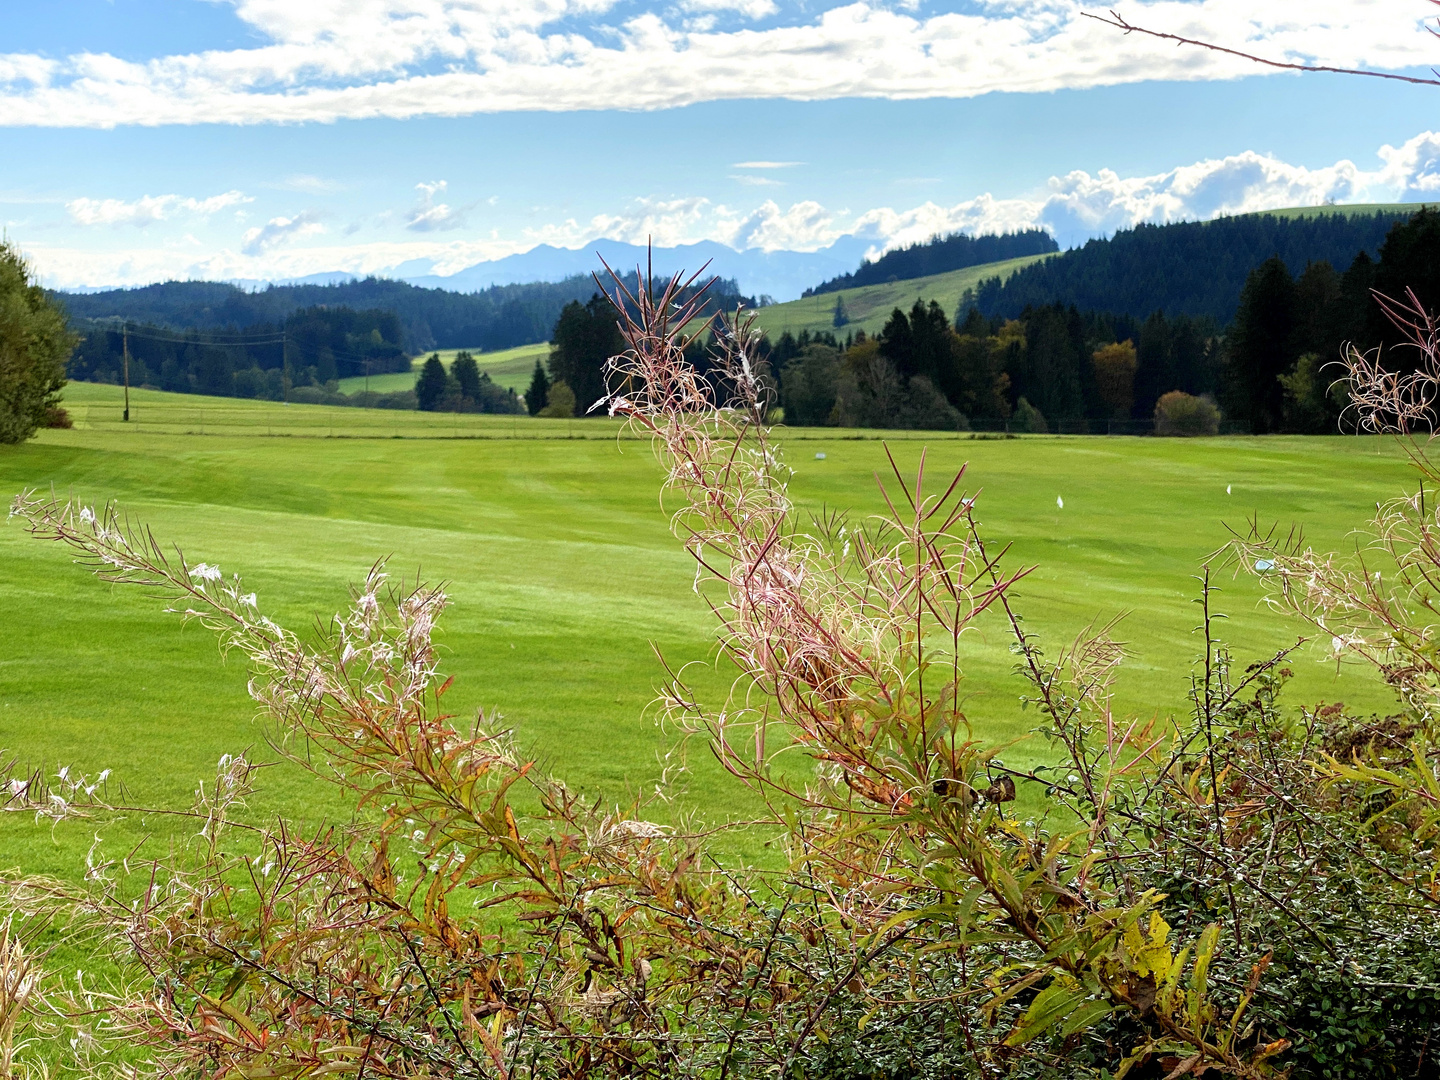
[327,60]
[1073,207]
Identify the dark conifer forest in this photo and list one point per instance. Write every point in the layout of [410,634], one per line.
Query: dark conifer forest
[500,317]
[1198,267]
[940,255]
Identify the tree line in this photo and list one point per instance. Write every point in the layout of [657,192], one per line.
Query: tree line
[312,347]
[1283,348]
[1198,267]
[500,317]
[1055,364]
[464,388]
[940,255]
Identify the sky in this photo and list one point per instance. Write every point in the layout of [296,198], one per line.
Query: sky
[143,140]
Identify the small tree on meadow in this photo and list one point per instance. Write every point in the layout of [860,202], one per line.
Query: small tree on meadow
[538,396]
[466,372]
[34,346]
[430,386]
[839,317]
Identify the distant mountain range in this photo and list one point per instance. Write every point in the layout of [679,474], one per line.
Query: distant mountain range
[781,275]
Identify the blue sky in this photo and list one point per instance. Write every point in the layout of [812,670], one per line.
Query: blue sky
[146,139]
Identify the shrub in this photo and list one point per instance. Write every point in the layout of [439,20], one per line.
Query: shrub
[1027,418]
[1245,890]
[561,401]
[1177,413]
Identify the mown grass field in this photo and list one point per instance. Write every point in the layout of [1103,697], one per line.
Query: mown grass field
[510,368]
[870,305]
[557,554]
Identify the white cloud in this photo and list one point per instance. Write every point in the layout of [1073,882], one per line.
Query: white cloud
[766,164]
[1073,207]
[751,9]
[431,216]
[149,208]
[310,184]
[279,230]
[755,181]
[334,59]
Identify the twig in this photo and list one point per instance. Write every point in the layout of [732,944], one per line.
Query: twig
[1119,23]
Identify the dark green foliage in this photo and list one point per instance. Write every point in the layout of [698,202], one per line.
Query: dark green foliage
[920,345]
[1050,371]
[585,336]
[465,371]
[34,345]
[809,386]
[940,255]
[1409,259]
[538,396]
[1198,268]
[1261,348]
[430,386]
[313,347]
[787,346]
[499,317]
[1175,354]
[839,318]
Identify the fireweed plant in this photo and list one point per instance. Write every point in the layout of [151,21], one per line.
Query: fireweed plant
[1245,891]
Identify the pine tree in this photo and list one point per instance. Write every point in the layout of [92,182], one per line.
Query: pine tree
[839,318]
[430,386]
[538,396]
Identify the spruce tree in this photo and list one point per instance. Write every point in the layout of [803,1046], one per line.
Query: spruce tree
[839,317]
[1261,348]
[465,371]
[585,336]
[1409,259]
[430,386]
[538,396]
[1155,372]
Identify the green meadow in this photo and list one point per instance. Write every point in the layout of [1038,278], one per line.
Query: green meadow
[870,305]
[554,546]
[510,368]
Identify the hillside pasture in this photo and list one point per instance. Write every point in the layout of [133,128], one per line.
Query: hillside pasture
[556,551]
[510,368]
[870,305]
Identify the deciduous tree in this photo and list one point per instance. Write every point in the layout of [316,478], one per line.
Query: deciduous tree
[34,345]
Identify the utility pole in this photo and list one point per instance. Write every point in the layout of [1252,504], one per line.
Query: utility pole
[125,339]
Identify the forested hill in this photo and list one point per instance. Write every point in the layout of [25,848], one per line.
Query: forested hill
[499,317]
[940,255]
[1192,267]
